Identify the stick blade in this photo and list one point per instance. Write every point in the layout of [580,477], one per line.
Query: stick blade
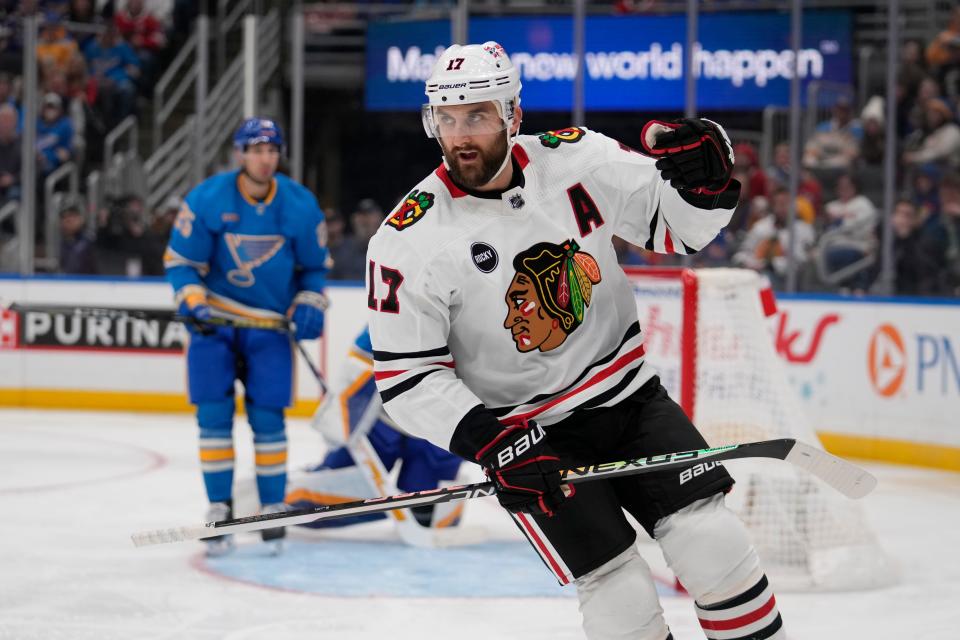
[846,477]
[172,534]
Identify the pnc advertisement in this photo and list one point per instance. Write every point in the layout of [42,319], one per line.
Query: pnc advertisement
[875,368]
[743,60]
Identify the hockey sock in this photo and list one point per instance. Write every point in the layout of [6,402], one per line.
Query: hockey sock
[752,615]
[270,446]
[216,448]
[619,600]
[709,550]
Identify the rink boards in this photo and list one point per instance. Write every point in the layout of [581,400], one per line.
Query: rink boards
[879,378]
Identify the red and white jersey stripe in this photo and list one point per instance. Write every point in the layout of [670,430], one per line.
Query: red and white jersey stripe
[515,300]
[541,543]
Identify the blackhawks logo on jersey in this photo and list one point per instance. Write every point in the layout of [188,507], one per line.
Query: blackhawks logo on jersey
[549,294]
[552,139]
[411,210]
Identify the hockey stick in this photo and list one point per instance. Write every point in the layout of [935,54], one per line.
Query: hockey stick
[163,315]
[845,477]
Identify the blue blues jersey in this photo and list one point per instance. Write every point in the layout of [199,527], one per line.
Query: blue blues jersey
[249,256]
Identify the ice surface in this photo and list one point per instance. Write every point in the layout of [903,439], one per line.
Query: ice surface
[75,485]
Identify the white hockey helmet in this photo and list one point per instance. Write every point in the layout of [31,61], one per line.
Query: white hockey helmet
[468,74]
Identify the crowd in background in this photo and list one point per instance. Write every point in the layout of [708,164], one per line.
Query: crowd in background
[838,230]
[91,78]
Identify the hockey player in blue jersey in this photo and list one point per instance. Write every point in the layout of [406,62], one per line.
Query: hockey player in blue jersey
[247,243]
[361,436]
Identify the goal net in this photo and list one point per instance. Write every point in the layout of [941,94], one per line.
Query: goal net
[707,334]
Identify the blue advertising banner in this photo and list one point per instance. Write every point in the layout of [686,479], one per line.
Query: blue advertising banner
[743,61]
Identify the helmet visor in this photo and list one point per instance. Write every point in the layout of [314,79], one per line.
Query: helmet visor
[467,120]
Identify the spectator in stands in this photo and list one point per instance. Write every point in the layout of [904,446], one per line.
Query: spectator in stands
[939,142]
[182,17]
[836,142]
[915,269]
[851,233]
[9,155]
[115,67]
[6,90]
[126,245]
[54,135]
[872,146]
[747,160]
[912,68]
[350,259]
[336,229]
[77,254]
[83,12]
[944,50]
[74,101]
[779,174]
[56,47]
[738,221]
[164,217]
[144,31]
[945,238]
[766,247]
[929,90]
[924,192]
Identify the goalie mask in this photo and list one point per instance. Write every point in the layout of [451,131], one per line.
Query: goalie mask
[472,74]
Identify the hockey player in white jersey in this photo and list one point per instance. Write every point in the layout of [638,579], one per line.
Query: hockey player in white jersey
[505,331]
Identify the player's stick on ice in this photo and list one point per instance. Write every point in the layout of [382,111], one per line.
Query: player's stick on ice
[845,477]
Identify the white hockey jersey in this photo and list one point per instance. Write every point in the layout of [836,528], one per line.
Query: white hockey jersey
[516,301]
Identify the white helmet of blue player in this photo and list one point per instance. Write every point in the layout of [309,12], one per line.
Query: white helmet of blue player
[471,74]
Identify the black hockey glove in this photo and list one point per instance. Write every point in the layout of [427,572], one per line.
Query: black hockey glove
[694,154]
[520,462]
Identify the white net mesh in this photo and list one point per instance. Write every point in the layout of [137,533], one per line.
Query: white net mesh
[808,536]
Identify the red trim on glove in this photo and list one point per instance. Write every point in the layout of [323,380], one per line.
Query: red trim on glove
[643,136]
[500,436]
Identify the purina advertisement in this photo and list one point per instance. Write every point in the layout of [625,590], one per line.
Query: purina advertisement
[743,60]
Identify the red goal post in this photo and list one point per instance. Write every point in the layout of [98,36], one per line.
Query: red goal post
[688,279]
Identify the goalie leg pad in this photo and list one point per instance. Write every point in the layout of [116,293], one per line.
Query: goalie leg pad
[618,601]
[331,484]
[708,548]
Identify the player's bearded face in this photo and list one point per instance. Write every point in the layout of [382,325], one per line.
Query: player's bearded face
[474,142]
[260,162]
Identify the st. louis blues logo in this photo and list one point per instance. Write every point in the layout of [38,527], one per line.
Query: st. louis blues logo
[249,252]
[552,139]
[411,210]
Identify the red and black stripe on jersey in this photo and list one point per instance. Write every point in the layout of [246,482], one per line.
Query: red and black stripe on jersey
[588,390]
[632,331]
[408,369]
[666,243]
